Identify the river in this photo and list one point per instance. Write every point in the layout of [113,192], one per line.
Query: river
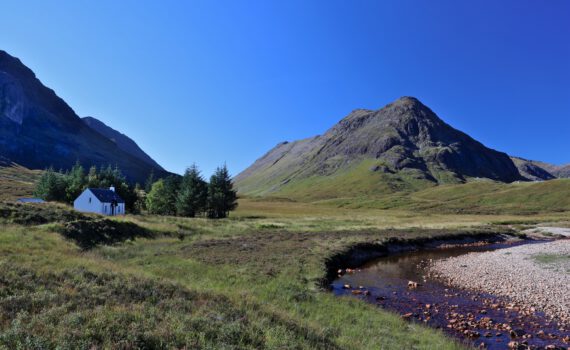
[478,319]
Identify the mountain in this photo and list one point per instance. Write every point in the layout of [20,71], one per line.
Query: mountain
[534,170]
[403,146]
[38,129]
[537,171]
[562,171]
[122,141]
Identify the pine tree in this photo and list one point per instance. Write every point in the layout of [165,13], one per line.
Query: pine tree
[171,189]
[222,198]
[92,178]
[140,202]
[149,182]
[192,196]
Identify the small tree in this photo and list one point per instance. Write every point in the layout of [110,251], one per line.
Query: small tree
[193,193]
[221,196]
[156,199]
[161,199]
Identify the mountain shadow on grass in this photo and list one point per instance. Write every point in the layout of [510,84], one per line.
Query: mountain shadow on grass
[88,233]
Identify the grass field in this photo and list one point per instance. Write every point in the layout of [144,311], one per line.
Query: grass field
[247,282]
[251,281]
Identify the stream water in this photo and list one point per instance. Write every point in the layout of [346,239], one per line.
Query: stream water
[479,319]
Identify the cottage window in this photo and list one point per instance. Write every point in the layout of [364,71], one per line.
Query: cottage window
[89,199]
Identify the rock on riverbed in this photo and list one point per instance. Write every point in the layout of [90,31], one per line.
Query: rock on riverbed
[535,276]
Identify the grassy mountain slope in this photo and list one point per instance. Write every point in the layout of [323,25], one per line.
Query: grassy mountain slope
[16,181]
[477,197]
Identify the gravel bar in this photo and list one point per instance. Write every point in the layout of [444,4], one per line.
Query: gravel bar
[535,276]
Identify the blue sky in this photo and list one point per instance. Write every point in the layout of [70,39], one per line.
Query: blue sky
[224,81]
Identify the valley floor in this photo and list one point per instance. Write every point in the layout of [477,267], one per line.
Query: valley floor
[248,282]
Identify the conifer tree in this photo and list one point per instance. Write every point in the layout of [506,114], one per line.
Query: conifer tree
[222,198]
[93,177]
[149,182]
[140,202]
[192,196]
[171,187]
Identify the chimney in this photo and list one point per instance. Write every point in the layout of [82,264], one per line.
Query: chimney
[112,188]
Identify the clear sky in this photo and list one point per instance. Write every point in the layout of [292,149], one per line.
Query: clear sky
[224,81]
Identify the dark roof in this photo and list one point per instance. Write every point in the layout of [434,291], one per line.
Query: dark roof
[105,195]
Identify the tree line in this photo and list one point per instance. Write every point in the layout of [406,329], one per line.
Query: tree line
[188,195]
[60,186]
[191,196]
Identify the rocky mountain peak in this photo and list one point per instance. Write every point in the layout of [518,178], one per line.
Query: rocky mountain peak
[405,139]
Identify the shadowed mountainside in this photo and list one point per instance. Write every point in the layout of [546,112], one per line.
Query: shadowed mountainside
[537,171]
[38,129]
[562,171]
[533,170]
[124,142]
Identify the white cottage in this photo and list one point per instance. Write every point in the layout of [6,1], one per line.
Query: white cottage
[101,201]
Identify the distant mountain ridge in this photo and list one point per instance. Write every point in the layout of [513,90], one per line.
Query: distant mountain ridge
[124,142]
[38,129]
[538,171]
[563,171]
[402,146]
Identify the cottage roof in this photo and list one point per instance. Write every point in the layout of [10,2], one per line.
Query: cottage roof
[105,195]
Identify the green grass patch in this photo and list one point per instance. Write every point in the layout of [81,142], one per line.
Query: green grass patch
[551,258]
